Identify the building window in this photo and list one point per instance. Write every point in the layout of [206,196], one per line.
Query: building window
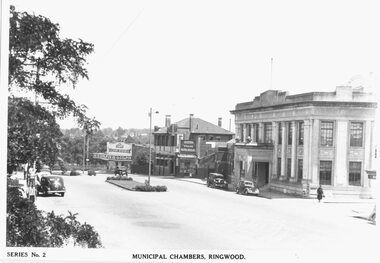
[173,142]
[249,130]
[279,133]
[289,168]
[300,132]
[300,170]
[356,134]
[327,130]
[242,171]
[278,167]
[354,176]
[268,132]
[290,133]
[325,168]
[256,132]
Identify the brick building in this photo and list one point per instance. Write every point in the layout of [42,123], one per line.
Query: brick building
[294,143]
[179,146]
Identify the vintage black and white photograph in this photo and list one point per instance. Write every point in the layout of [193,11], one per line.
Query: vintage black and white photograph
[189,131]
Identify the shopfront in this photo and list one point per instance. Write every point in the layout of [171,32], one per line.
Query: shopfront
[118,154]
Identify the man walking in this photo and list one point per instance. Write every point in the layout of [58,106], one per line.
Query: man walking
[319,193]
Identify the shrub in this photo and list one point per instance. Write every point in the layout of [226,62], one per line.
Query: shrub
[149,188]
[119,177]
[29,227]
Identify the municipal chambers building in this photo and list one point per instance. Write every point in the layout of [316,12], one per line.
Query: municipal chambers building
[294,143]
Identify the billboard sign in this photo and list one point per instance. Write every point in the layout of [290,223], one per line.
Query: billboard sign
[109,157]
[187,147]
[119,149]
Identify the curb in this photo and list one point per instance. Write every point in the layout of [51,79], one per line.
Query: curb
[121,186]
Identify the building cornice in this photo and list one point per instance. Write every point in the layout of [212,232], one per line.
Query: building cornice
[371,105]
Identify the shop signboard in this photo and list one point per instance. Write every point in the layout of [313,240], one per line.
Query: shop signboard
[187,147]
[109,157]
[119,149]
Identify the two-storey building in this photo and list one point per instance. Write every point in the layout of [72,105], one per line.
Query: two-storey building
[179,146]
[294,143]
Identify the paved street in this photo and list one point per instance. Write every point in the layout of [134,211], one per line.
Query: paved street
[192,216]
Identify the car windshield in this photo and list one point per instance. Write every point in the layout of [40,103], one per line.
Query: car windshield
[248,183]
[53,179]
[219,176]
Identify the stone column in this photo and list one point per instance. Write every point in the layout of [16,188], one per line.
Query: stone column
[244,139]
[255,131]
[283,152]
[340,172]
[306,151]
[252,132]
[261,132]
[367,143]
[294,152]
[275,150]
[314,152]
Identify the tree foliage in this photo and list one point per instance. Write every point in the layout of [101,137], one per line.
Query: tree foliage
[29,227]
[32,133]
[42,62]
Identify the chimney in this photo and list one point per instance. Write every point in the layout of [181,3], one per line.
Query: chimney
[190,127]
[167,120]
[220,122]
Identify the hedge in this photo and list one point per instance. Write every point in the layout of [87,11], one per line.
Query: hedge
[149,188]
[119,177]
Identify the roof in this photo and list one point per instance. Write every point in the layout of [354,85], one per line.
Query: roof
[343,96]
[198,126]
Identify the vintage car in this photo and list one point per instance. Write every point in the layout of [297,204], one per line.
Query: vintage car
[50,184]
[216,180]
[246,188]
[121,170]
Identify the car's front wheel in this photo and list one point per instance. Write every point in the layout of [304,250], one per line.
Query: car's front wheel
[245,192]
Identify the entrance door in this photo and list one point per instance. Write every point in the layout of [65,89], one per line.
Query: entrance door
[262,173]
[171,167]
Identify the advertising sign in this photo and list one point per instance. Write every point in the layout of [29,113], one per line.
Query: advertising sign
[109,157]
[187,147]
[119,149]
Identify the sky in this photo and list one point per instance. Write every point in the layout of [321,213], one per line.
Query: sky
[204,57]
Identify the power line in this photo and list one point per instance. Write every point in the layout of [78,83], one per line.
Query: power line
[123,32]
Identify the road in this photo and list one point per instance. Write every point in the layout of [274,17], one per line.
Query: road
[192,216]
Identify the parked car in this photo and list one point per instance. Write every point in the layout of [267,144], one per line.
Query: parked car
[50,184]
[246,188]
[91,172]
[121,170]
[216,180]
[75,172]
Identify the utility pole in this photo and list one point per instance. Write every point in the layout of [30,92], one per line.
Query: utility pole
[271,73]
[150,144]
[84,151]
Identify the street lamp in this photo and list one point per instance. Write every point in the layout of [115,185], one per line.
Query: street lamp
[150,144]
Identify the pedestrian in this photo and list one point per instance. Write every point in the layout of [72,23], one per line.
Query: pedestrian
[320,193]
